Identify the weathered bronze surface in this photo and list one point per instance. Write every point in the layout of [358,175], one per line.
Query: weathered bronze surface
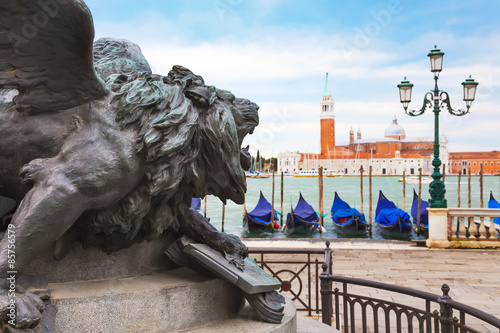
[95,147]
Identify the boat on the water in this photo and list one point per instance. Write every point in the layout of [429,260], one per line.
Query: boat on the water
[260,219]
[196,205]
[303,219]
[424,214]
[391,220]
[414,180]
[307,173]
[347,219]
[315,173]
[256,175]
[494,204]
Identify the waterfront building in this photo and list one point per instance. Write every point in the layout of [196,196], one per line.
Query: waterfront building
[390,155]
[289,162]
[462,162]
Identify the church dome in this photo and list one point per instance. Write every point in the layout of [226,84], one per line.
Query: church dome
[395,131]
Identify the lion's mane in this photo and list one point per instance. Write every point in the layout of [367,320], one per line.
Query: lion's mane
[188,140]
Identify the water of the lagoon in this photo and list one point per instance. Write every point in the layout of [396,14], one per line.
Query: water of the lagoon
[348,189]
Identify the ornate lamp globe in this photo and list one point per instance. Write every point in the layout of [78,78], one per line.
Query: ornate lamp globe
[405,92]
[436,59]
[469,90]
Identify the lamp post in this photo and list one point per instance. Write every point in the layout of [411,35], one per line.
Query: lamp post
[435,100]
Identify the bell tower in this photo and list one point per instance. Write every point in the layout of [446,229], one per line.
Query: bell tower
[327,119]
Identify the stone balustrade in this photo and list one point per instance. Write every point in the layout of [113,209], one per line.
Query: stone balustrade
[463,228]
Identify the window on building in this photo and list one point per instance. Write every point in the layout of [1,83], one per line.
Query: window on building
[474,163]
[425,147]
[491,164]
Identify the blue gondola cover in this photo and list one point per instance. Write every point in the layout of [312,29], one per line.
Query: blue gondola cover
[424,214]
[342,213]
[387,213]
[196,203]
[262,211]
[305,211]
[493,204]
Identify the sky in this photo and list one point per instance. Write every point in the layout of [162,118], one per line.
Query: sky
[277,52]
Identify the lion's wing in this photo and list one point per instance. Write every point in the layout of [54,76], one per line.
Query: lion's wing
[46,54]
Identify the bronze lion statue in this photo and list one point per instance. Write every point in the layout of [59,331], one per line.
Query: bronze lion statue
[91,140]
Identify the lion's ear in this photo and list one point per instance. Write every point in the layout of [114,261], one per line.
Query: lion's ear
[225,95]
[201,95]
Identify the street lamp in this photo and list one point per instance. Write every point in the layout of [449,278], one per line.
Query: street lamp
[437,99]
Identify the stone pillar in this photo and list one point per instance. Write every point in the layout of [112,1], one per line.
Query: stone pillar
[438,228]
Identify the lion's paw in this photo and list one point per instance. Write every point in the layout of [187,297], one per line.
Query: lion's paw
[22,312]
[32,171]
[232,245]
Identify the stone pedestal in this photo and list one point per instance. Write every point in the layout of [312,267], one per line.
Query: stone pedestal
[438,228]
[138,290]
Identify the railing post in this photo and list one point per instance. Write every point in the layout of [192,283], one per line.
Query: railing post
[445,311]
[438,228]
[326,287]
[326,296]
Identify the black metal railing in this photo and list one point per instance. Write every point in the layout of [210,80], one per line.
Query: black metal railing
[360,313]
[298,270]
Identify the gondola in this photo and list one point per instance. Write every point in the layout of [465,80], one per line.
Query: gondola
[493,204]
[259,219]
[391,220]
[424,214]
[196,205]
[347,219]
[303,219]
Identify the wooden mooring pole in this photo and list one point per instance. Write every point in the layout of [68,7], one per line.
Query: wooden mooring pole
[444,177]
[361,188]
[458,190]
[281,217]
[470,201]
[223,215]
[272,207]
[404,190]
[469,185]
[320,180]
[370,199]
[205,207]
[481,186]
[419,198]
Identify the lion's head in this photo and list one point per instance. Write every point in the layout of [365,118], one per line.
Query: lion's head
[189,136]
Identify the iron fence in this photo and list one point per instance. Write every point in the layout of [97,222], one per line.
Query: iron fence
[298,270]
[361,313]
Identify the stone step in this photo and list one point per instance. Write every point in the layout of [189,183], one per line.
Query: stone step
[247,322]
[310,325]
[161,302]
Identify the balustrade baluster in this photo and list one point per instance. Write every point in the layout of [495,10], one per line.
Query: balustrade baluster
[492,230]
[454,228]
[462,230]
[482,229]
[472,228]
